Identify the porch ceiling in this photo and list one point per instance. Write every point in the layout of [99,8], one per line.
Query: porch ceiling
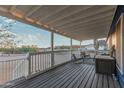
[78,22]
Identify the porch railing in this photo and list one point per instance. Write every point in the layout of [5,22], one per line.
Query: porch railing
[13,69]
[31,65]
[39,62]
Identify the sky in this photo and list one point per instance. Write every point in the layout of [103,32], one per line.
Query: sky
[30,35]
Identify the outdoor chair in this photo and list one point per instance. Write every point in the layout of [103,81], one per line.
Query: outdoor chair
[84,55]
[77,60]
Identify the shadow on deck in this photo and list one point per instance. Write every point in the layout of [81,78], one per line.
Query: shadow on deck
[69,75]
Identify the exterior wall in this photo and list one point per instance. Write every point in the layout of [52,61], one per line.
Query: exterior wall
[114,38]
[122,35]
[121,74]
[118,44]
[117,39]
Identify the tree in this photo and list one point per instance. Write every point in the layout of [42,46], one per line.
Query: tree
[26,49]
[7,38]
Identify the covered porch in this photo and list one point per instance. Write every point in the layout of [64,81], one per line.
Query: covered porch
[75,22]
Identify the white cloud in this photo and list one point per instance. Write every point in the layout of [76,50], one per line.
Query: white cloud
[9,21]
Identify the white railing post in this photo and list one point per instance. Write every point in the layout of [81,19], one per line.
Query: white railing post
[29,64]
[52,49]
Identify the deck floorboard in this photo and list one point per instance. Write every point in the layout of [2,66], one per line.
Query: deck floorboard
[62,80]
[70,75]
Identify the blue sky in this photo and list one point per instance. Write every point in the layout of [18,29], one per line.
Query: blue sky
[30,35]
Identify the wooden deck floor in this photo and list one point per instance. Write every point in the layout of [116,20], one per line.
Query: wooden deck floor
[70,76]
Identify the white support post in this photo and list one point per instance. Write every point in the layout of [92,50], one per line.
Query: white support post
[71,47]
[80,45]
[95,46]
[52,49]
